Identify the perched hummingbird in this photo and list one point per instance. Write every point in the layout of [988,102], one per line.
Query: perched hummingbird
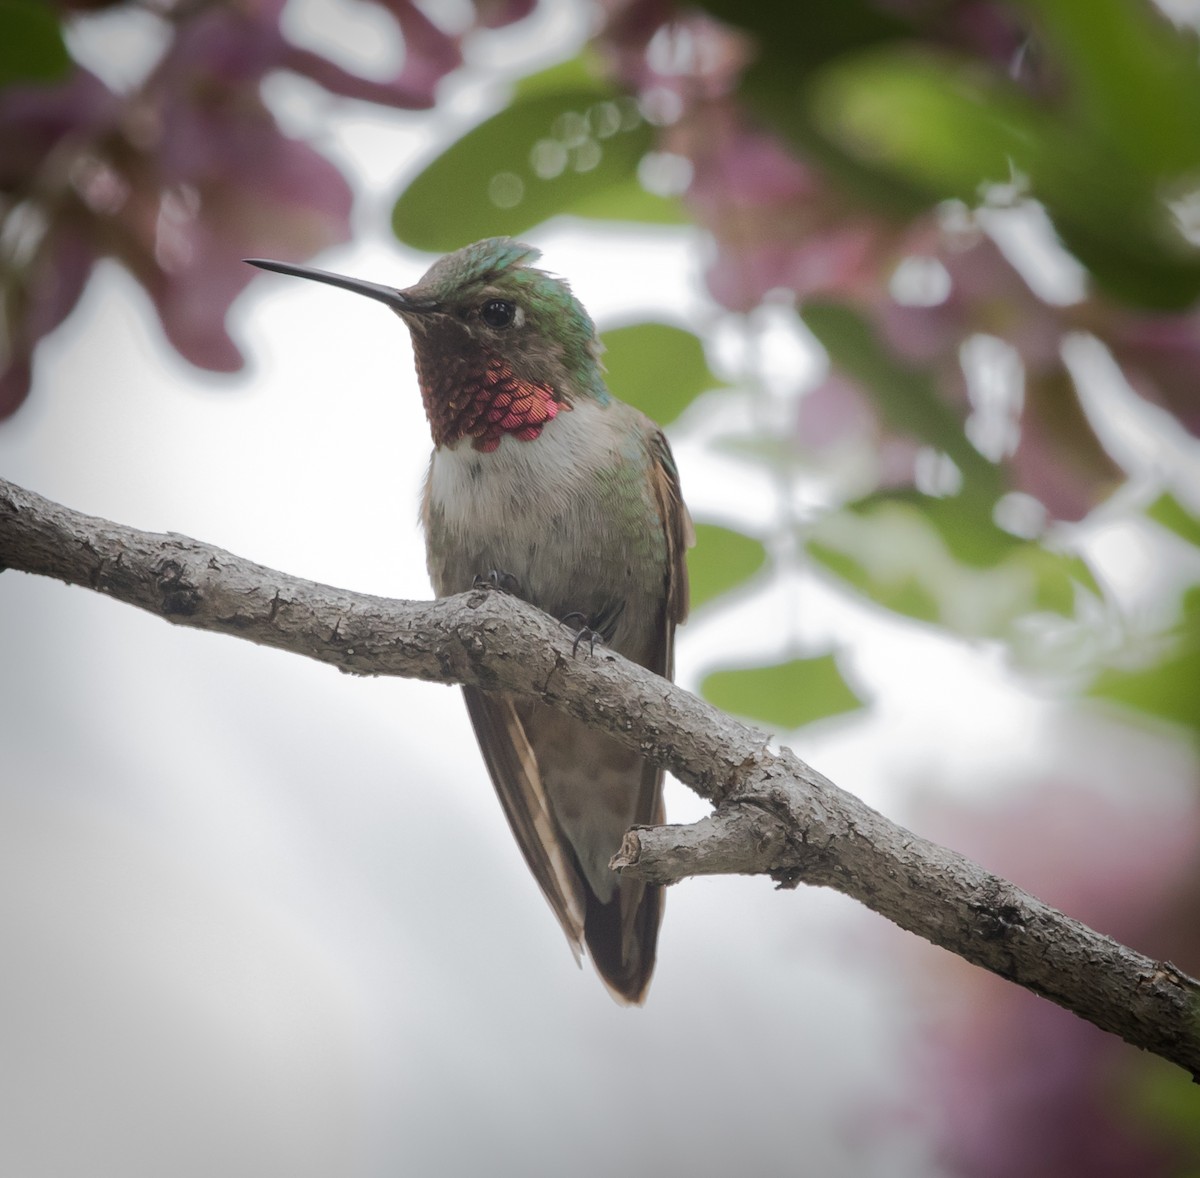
[542,482]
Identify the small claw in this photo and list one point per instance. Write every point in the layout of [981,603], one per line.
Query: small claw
[496,579]
[584,634]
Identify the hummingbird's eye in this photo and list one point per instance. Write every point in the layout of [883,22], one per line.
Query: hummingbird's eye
[498,312]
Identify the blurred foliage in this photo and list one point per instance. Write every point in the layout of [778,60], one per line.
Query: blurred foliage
[31,43]
[721,560]
[1167,684]
[939,560]
[1167,1106]
[659,368]
[926,120]
[1168,511]
[910,122]
[785,695]
[907,398]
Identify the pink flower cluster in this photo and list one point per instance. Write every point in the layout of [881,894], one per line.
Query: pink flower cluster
[186,175]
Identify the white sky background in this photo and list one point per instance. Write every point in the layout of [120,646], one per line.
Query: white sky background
[262,918]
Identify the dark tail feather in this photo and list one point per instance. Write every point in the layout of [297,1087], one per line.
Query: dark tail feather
[622,945]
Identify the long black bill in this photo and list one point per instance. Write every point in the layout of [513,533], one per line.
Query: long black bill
[396,299]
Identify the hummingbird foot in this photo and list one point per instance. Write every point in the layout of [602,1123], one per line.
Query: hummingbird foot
[497,579]
[585,633]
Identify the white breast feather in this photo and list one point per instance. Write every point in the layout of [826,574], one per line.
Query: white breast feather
[518,481]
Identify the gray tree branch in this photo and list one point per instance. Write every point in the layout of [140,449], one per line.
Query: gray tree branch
[774,814]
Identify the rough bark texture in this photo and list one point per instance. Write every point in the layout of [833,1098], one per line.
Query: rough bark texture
[774,814]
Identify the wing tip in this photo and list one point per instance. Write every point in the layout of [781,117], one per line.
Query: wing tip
[623,950]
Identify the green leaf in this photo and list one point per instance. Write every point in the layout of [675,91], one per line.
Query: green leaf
[965,525]
[927,117]
[31,43]
[626,200]
[804,35]
[566,143]
[581,72]
[1116,219]
[1130,77]
[939,560]
[1168,511]
[784,695]
[721,560]
[1166,1102]
[901,592]
[659,368]
[972,537]
[1166,688]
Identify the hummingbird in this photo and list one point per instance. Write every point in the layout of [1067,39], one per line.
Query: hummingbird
[546,485]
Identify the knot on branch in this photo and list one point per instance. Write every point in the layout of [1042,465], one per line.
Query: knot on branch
[999,912]
[178,596]
[628,853]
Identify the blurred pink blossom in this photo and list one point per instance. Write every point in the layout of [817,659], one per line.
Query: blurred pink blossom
[429,55]
[184,177]
[1028,1089]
